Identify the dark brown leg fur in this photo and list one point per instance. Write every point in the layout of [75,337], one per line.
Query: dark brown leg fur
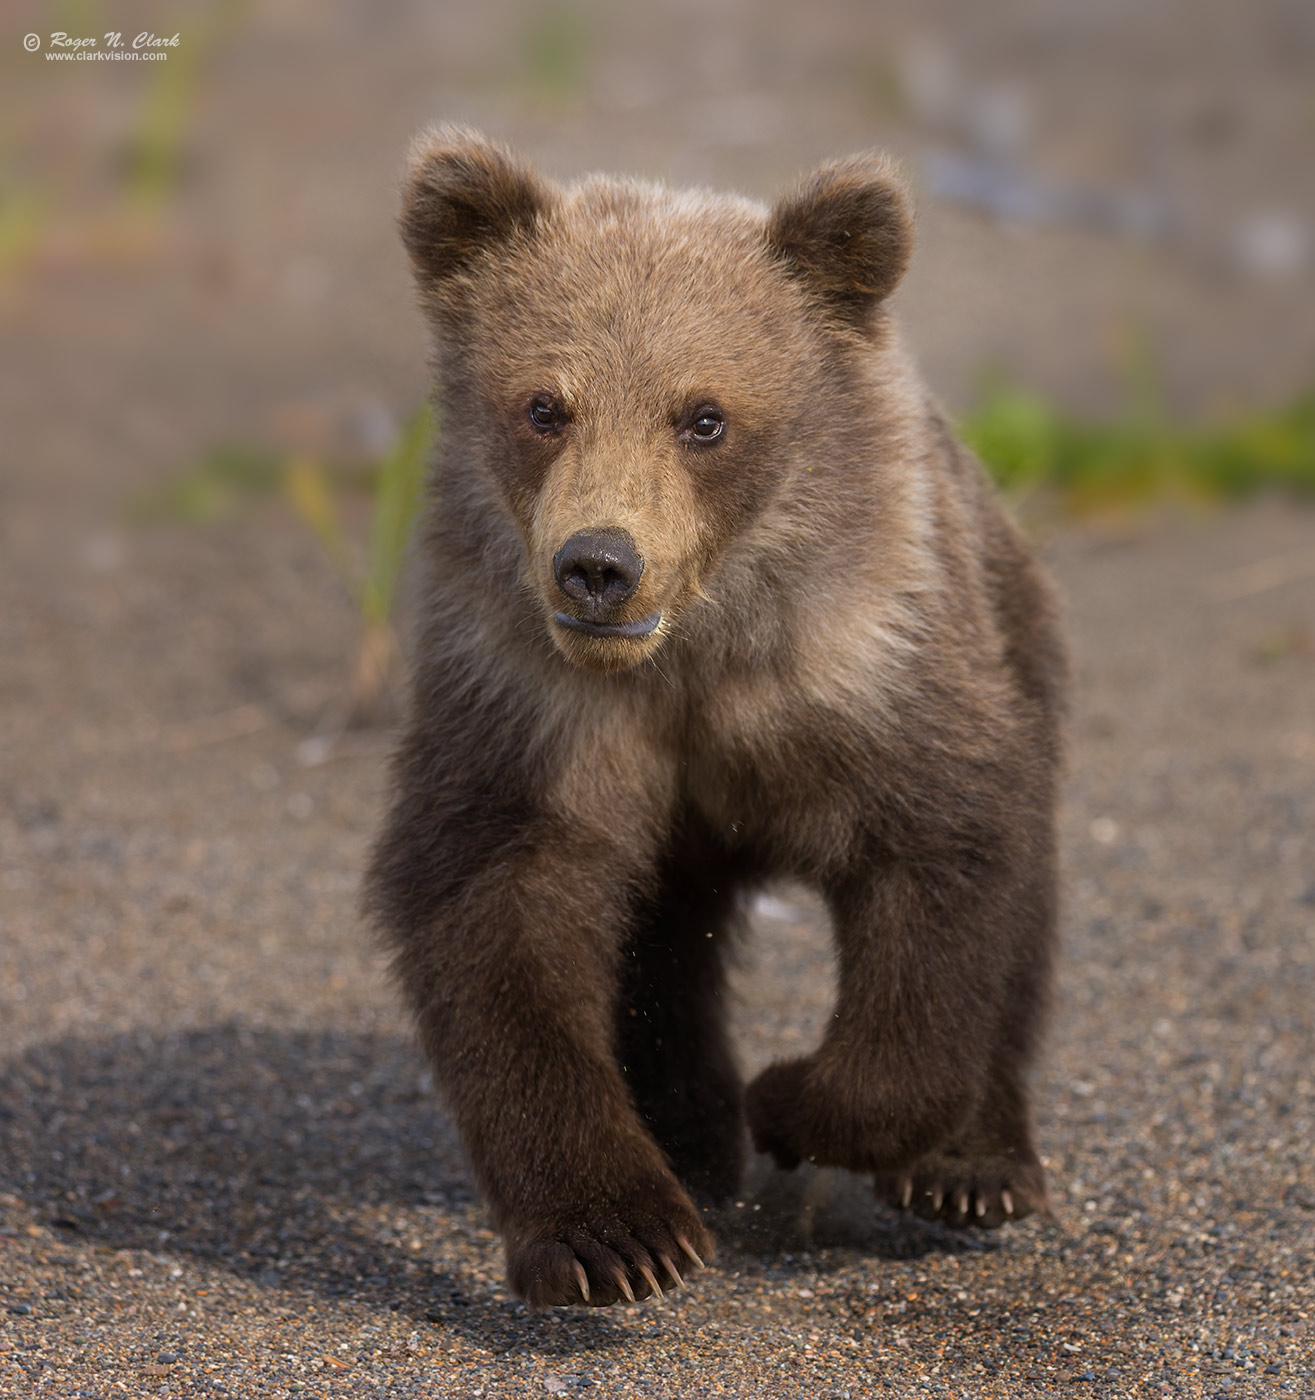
[508,929]
[989,1172]
[923,1080]
[672,1035]
[893,1076]
[919,1077]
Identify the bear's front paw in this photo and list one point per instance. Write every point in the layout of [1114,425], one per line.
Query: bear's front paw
[774,1104]
[608,1250]
[984,1191]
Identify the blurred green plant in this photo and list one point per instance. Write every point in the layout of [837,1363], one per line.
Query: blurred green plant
[372,576]
[24,218]
[232,476]
[154,152]
[78,16]
[1032,446]
[223,480]
[37,212]
[558,44]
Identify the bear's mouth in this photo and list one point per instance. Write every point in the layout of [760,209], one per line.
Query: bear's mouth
[644,627]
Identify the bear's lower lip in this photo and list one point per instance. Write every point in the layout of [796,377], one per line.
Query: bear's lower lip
[645,627]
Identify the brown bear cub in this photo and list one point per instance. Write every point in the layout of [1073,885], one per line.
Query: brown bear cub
[714,597]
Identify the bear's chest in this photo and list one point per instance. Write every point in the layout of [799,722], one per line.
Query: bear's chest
[766,772]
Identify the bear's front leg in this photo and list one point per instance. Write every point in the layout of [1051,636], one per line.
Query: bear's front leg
[925,1033]
[507,933]
[989,1172]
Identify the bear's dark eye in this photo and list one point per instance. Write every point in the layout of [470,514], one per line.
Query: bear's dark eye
[546,414]
[706,426]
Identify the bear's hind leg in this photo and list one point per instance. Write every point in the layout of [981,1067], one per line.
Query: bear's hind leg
[672,1038]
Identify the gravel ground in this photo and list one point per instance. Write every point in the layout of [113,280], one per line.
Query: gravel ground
[221,1167]
[222,1170]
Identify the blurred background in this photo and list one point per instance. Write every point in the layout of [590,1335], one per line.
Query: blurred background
[213,373]
[211,443]
[1117,205]
[205,310]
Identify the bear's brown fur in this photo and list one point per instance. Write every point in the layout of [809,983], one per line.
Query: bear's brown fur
[714,597]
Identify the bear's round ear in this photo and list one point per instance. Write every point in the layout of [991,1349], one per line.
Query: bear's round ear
[846,231]
[462,194]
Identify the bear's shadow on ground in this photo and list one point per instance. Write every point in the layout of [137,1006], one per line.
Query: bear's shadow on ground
[310,1161]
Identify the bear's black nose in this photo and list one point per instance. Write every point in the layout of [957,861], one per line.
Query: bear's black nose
[599,568]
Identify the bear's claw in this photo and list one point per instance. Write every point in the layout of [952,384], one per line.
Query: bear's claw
[650,1278]
[960,1192]
[689,1250]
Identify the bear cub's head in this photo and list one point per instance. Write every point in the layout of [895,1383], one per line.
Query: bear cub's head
[632,376]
